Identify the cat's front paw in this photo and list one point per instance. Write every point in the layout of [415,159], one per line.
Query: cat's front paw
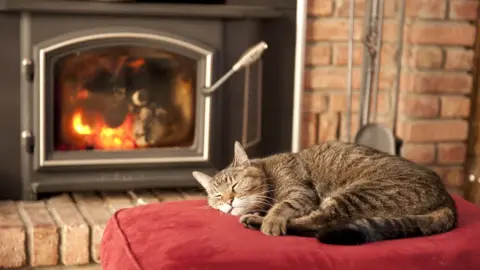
[252,221]
[274,226]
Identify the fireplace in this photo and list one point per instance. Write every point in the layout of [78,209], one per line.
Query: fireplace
[120,97]
[109,96]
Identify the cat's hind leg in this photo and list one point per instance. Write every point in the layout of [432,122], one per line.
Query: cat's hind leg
[307,225]
[330,213]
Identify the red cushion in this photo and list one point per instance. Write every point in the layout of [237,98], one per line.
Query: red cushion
[187,235]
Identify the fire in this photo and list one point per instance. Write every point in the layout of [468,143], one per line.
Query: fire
[137,64]
[78,125]
[100,136]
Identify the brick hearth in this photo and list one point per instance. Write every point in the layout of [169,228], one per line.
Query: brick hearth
[67,229]
[436,78]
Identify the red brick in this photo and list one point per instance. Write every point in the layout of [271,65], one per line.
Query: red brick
[332,29]
[308,78]
[165,195]
[141,197]
[390,30]
[336,78]
[425,57]
[116,200]
[463,9]
[43,236]
[459,59]
[331,78]
[12,237]
[419,153]
[338,102]
[328,127]
[388,56]
[426,9]
[387,78]
[455,106]
[343,7]
[430,82]
[340,55]
[93,210]
[453,177]
[320,7]
[309,129]
[74,249]
[441,33]
[314,102]
[419,105]
[452,153]
[433,130]
[318,54]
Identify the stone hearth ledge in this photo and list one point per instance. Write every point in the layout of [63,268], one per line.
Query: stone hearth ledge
[66,230]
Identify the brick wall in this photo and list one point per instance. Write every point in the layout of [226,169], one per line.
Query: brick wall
[436,80]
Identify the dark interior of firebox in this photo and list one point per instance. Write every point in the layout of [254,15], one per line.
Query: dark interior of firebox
[123,98]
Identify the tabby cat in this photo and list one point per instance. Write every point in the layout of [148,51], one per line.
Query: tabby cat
[342,193]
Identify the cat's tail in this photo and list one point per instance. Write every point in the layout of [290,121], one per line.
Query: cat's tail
[369,230]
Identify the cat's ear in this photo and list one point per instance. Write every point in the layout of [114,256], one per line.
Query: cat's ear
[240,157]
[204,180]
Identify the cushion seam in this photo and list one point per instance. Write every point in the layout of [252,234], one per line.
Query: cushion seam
[126,244]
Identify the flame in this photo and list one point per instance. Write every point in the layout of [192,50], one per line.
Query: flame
[78,125]
[137,64]
[103,137]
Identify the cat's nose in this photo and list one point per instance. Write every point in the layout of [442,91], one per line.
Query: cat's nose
[230,201]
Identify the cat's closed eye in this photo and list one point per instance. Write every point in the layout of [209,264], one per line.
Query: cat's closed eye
[234,185]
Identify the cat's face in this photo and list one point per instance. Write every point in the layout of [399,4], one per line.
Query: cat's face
[238,189]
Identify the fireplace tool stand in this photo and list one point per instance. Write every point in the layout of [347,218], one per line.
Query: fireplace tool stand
[370,133]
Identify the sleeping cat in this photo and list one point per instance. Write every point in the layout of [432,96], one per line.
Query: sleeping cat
[342,193]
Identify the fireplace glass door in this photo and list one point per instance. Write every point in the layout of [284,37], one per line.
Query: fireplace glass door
[123,98]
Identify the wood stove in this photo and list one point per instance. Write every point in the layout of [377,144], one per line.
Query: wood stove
[105,96]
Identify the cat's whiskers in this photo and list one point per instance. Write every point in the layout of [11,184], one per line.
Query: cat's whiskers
[262,203]
[265,197]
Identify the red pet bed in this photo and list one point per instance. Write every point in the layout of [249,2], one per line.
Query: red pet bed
[187,235]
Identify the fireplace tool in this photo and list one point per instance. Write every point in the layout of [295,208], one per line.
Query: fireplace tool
[248,57]
[373,134]
[351,30]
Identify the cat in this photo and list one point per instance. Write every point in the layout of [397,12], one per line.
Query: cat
[341,193]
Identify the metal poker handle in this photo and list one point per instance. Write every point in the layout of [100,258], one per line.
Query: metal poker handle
[248,57]
[351,31]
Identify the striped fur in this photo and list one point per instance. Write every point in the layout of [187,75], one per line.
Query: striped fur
[341,193]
